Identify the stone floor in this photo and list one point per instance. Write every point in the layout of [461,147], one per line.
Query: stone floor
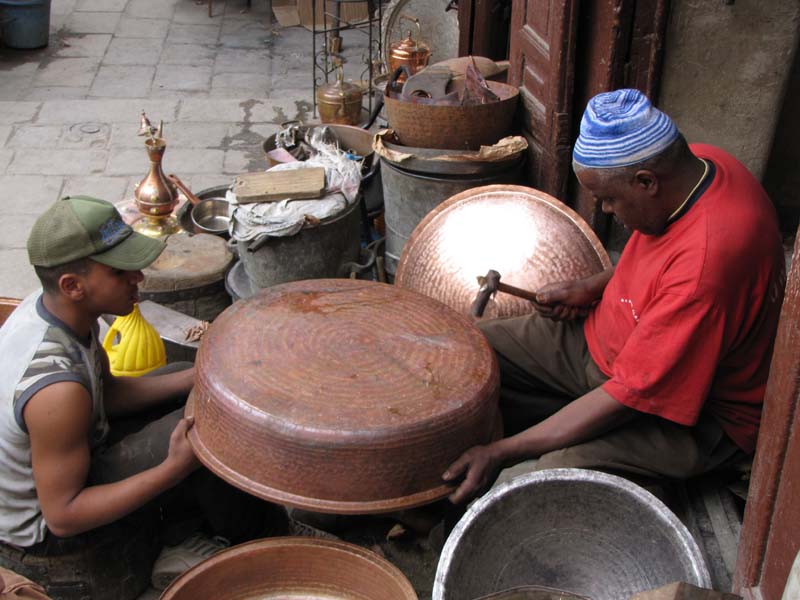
[69,113]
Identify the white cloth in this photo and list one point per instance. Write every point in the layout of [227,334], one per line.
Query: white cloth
[255,221]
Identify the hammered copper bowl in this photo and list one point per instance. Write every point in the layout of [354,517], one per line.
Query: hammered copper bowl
[529,237]
[341,396]
[285,568]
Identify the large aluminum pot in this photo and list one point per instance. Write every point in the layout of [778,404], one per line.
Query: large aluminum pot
[292,567]
[584,532]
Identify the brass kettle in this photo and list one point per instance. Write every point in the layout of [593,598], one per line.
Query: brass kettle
[340,102]
[414,53]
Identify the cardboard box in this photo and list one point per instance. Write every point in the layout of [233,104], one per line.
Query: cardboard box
[349,13]
[285,12]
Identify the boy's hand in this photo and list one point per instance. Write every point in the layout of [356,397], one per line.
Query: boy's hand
[181,456]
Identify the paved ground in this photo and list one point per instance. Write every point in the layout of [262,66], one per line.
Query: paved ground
[69,113]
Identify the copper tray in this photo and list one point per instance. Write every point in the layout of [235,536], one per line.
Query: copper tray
[529,237]
[341,396]
[7,306]
[283,568]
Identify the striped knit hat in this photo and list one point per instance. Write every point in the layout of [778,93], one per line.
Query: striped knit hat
[621,128]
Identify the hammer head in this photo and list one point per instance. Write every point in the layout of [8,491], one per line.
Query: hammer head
[488,287]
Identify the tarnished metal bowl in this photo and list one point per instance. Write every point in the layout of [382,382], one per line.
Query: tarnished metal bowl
[529,237]
[211,215]
[284,568]
[341,396]
[465,127]
[580,531]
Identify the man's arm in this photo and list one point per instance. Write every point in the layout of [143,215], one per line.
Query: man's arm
[127,395]
[583,419]
[566,300]
[59,419]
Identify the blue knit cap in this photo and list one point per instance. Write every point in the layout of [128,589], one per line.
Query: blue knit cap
[621,128]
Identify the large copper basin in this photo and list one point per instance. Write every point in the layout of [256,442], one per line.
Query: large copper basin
[341,396]
[285,568]
[7,306]
[529,237]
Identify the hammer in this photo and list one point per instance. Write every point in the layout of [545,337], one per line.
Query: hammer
[490,285]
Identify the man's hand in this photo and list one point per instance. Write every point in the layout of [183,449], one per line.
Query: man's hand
[479,466]
[565,300]
[180,455]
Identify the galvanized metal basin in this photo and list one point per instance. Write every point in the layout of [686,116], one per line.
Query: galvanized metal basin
[580,531]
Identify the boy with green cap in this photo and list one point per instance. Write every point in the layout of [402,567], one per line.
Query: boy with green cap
[63,469]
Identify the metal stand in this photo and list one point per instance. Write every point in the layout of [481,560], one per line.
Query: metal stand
[324,57]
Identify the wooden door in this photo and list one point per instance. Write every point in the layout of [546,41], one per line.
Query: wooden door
[542,57]
[562,56]
[483,28]
[770,536]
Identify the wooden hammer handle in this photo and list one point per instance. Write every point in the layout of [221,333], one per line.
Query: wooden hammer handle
[515,291]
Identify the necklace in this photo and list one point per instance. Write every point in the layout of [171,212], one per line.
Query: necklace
[694,189]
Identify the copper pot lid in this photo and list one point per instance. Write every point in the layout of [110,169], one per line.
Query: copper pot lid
[342,396]
[529,237]
[292,567]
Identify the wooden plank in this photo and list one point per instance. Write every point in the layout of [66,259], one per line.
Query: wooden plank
[271,186]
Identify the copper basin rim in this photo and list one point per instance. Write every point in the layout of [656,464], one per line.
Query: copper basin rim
[334,425]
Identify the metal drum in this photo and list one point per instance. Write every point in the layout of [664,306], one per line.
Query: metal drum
[531,238]
[584,532]
[409,195]
[189,276]
[323,250]
[341,396]
[284,568]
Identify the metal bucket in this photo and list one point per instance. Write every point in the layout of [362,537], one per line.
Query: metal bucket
[313,253]
[584,532]
[25,23]
[410,195]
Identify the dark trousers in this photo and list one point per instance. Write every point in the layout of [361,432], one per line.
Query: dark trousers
[545,364]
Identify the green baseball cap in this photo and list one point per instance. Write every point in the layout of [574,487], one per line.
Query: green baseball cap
[82,227]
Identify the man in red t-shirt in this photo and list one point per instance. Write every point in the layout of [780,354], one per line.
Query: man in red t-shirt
[665,376]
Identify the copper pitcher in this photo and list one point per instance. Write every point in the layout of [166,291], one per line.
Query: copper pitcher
[340,102]
[414,53]
[155,194]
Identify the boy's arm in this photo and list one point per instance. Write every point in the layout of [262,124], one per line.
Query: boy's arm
[127,395]
[58,418]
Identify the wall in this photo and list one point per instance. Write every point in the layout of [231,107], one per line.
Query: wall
[726,66]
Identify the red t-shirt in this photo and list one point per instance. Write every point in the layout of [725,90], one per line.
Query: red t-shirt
[687,322]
